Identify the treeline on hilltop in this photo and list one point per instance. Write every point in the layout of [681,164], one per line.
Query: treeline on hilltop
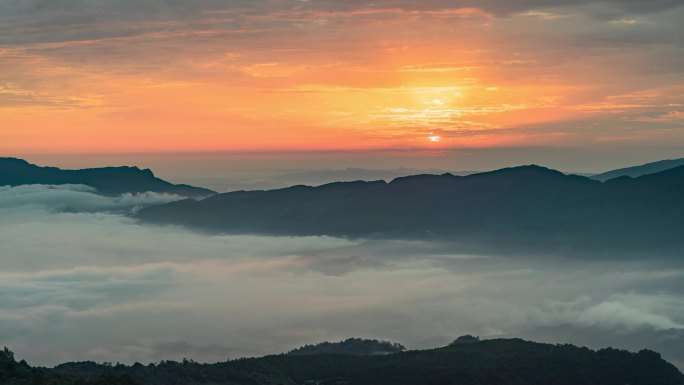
[502,362]
[13,372]
[354,346]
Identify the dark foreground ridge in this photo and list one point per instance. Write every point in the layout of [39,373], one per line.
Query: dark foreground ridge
[502,362]
[527,209]
[107,180]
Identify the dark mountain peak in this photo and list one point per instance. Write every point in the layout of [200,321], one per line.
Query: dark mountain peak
[13,161]
[130,170]
[352,346]
[531,166]
[297,187]
[424,179]
[466,339]
[107,180]
[147,172]
[530,175]
[525,170]
[351,184]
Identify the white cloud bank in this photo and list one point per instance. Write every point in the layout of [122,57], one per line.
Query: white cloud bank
[75,198]
[78,283]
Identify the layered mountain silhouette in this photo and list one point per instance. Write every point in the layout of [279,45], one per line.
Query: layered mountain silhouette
[107,180]
[637,171]
[502,361]
[520,209]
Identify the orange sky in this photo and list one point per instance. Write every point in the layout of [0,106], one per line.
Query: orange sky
[292,75]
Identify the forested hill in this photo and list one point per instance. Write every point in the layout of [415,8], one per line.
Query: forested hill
[106,180]
[354,346]
[13,372]
[502,362]
[527,209]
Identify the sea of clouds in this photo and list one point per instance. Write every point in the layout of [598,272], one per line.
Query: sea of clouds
[82,280]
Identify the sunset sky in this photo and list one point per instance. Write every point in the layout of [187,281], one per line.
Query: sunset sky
[236,95]
[105,76]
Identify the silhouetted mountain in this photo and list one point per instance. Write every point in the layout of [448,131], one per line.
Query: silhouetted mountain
[520,209]
[466,339]
[355,346]
[668,342]
[237,180]
[350,174]
[20,373]
[637,171]
[107,181]
[501,362]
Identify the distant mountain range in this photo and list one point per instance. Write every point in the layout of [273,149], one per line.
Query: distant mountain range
[526,209]
[520,209]
[637,171]
[324,176]
[501,362]
[237,179]
[107,180]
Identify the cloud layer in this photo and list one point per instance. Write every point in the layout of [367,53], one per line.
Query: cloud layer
[83,285]
[76,198]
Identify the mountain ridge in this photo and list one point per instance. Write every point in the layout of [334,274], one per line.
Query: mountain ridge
[498,361]
[106,180]
[640,170]
[353,346]
[525,208]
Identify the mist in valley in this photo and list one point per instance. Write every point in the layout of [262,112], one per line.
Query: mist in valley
[82,280]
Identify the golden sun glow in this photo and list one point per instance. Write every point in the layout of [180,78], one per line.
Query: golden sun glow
[319,80]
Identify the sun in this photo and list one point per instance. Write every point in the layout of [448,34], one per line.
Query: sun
[435,138]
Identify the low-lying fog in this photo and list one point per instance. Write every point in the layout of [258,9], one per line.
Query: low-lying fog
[79,282]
